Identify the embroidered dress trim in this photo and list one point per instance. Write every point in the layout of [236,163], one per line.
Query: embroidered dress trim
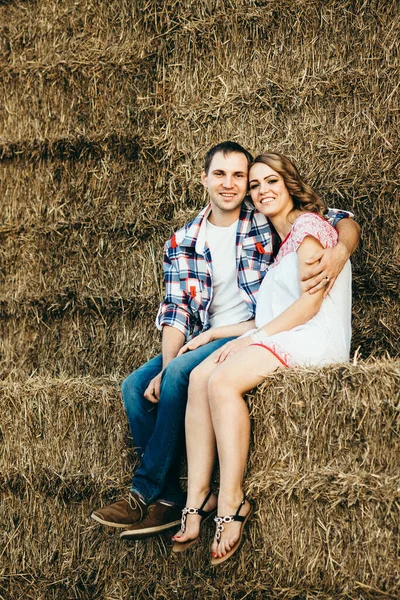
[282,355]
[307,224]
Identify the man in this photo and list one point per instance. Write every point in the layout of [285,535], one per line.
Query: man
[213,269]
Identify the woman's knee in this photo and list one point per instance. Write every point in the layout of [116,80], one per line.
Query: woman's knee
[218,381]
[199,376]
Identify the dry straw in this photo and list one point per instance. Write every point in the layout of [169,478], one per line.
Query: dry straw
[107,111]
[323,473]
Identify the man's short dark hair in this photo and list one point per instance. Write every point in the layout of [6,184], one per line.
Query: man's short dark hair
[226,148]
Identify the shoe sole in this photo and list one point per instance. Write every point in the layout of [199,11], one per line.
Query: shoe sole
[217,561]
[111,523]
[148,532]
[180,547]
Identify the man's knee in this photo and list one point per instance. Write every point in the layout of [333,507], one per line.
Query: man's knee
[129,384]
[128,388]
[134,386]
[177,371]
[181,367]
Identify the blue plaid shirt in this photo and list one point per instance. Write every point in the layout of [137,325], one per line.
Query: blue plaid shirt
[188,268]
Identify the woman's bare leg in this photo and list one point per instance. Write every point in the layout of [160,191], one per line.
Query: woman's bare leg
[200,447]
[230,418]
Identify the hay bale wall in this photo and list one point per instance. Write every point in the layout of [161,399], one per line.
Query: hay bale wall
[107,113]
[107,110]
[323,472]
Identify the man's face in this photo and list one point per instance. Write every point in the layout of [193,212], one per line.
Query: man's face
[226,183]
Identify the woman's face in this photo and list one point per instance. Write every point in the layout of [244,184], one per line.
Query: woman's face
[268,191]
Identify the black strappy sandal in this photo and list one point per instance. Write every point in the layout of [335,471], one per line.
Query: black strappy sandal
[182,546]
[220,528]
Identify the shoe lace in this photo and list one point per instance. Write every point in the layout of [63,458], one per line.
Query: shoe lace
[134,503]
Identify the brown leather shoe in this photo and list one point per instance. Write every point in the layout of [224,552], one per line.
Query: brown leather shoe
[160,516]
[123,513]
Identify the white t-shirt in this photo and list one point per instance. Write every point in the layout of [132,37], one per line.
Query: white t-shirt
[227,306]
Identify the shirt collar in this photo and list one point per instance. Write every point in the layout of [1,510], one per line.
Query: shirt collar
[196,233]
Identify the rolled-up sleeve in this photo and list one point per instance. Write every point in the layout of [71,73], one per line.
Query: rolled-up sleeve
[333,215]
[174,310]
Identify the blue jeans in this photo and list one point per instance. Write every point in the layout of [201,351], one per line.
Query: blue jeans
[158,429]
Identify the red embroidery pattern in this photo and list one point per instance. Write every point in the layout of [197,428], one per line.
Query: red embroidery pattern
[284,357]
[307,224]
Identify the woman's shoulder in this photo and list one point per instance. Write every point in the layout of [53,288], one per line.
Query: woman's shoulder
[313,224]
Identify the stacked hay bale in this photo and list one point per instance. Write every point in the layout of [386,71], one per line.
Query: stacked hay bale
[323,472]
[107,111]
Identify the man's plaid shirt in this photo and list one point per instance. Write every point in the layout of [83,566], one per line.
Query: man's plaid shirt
[188,268]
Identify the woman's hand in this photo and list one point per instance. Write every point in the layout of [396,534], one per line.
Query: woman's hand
[196,342]
[232,347]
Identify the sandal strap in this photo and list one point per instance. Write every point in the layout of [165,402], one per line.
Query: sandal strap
[220,520]
[240,506]
[188,510]
[206,499]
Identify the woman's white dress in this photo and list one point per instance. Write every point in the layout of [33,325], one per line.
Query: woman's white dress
[326,337]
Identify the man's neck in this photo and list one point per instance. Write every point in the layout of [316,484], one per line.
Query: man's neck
[223,219]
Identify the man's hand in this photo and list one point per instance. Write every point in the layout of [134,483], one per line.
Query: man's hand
[232,347]
[152,392]
[199,340]
[325,267]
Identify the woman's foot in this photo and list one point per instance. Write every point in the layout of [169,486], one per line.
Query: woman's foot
[193,521]
[229,529]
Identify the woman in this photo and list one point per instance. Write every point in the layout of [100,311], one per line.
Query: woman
[293,328]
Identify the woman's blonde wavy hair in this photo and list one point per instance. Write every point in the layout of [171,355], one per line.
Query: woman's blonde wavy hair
[304,197]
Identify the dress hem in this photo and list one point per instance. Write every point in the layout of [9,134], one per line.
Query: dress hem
[283,356]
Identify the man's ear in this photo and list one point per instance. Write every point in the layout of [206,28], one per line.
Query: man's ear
[204,178]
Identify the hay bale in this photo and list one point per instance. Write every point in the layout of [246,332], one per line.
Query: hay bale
[80,261]
[323,473]
[93,338]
